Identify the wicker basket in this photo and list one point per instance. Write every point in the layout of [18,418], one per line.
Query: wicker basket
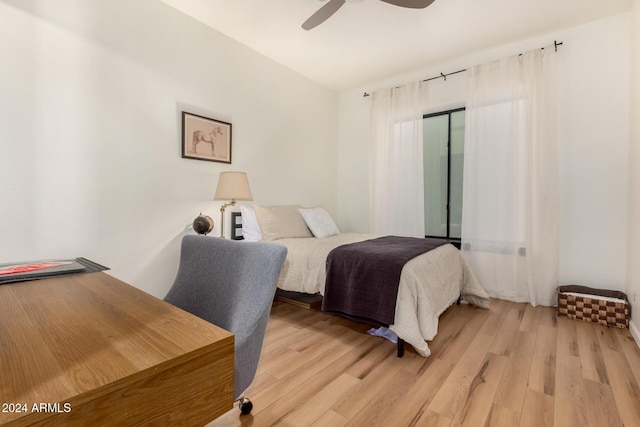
[593,306]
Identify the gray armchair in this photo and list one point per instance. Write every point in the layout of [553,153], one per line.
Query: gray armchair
[230,284]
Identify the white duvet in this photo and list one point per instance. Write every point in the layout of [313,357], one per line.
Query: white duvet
[429,283]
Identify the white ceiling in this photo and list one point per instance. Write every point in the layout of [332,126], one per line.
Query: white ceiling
[368,41]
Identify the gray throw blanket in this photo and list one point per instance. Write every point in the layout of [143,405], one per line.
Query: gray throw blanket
[363,277]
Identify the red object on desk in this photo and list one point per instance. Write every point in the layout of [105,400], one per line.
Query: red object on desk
[25,268]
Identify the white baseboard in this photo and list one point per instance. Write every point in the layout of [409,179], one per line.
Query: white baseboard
[635,333]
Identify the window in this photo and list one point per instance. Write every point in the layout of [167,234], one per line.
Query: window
[443,165]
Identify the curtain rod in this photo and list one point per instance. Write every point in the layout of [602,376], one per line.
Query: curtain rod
[444,75]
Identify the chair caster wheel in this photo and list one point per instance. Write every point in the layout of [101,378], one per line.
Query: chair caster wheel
[245,406]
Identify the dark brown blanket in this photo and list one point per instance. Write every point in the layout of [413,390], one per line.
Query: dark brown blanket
[363,277]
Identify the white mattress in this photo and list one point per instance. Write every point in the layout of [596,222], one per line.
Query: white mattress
[429,283]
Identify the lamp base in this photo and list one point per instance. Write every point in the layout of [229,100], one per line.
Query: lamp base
[222,210]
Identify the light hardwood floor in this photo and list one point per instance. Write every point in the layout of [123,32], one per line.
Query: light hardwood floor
[512,365]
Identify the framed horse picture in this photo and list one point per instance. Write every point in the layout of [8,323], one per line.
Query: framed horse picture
[205,139]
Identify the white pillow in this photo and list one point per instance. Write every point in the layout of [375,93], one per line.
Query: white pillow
[250,227]
[319,222]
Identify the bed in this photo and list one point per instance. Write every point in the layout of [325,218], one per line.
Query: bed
[429,283]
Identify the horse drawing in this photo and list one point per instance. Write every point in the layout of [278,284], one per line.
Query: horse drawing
[199,136]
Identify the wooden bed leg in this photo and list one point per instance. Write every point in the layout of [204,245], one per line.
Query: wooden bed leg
[400,347]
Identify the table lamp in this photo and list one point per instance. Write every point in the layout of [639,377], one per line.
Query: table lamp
[233,186]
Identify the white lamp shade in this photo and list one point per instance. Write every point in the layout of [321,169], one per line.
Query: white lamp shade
[233,186]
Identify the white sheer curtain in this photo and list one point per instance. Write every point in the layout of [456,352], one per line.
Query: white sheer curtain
[510,196]
[396,198]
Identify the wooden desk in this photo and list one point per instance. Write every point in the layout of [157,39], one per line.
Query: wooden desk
[88,349]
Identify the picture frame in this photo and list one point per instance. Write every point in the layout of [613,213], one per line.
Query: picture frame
[204,138]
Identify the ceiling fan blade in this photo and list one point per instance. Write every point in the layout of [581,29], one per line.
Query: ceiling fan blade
[413,4]
[323,14]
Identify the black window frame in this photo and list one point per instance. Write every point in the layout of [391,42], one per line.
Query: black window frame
[456,241]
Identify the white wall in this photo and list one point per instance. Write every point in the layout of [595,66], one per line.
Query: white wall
[633,254]
[594,74]
[90,161]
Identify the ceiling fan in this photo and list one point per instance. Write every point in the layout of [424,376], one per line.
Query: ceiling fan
[332,7]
